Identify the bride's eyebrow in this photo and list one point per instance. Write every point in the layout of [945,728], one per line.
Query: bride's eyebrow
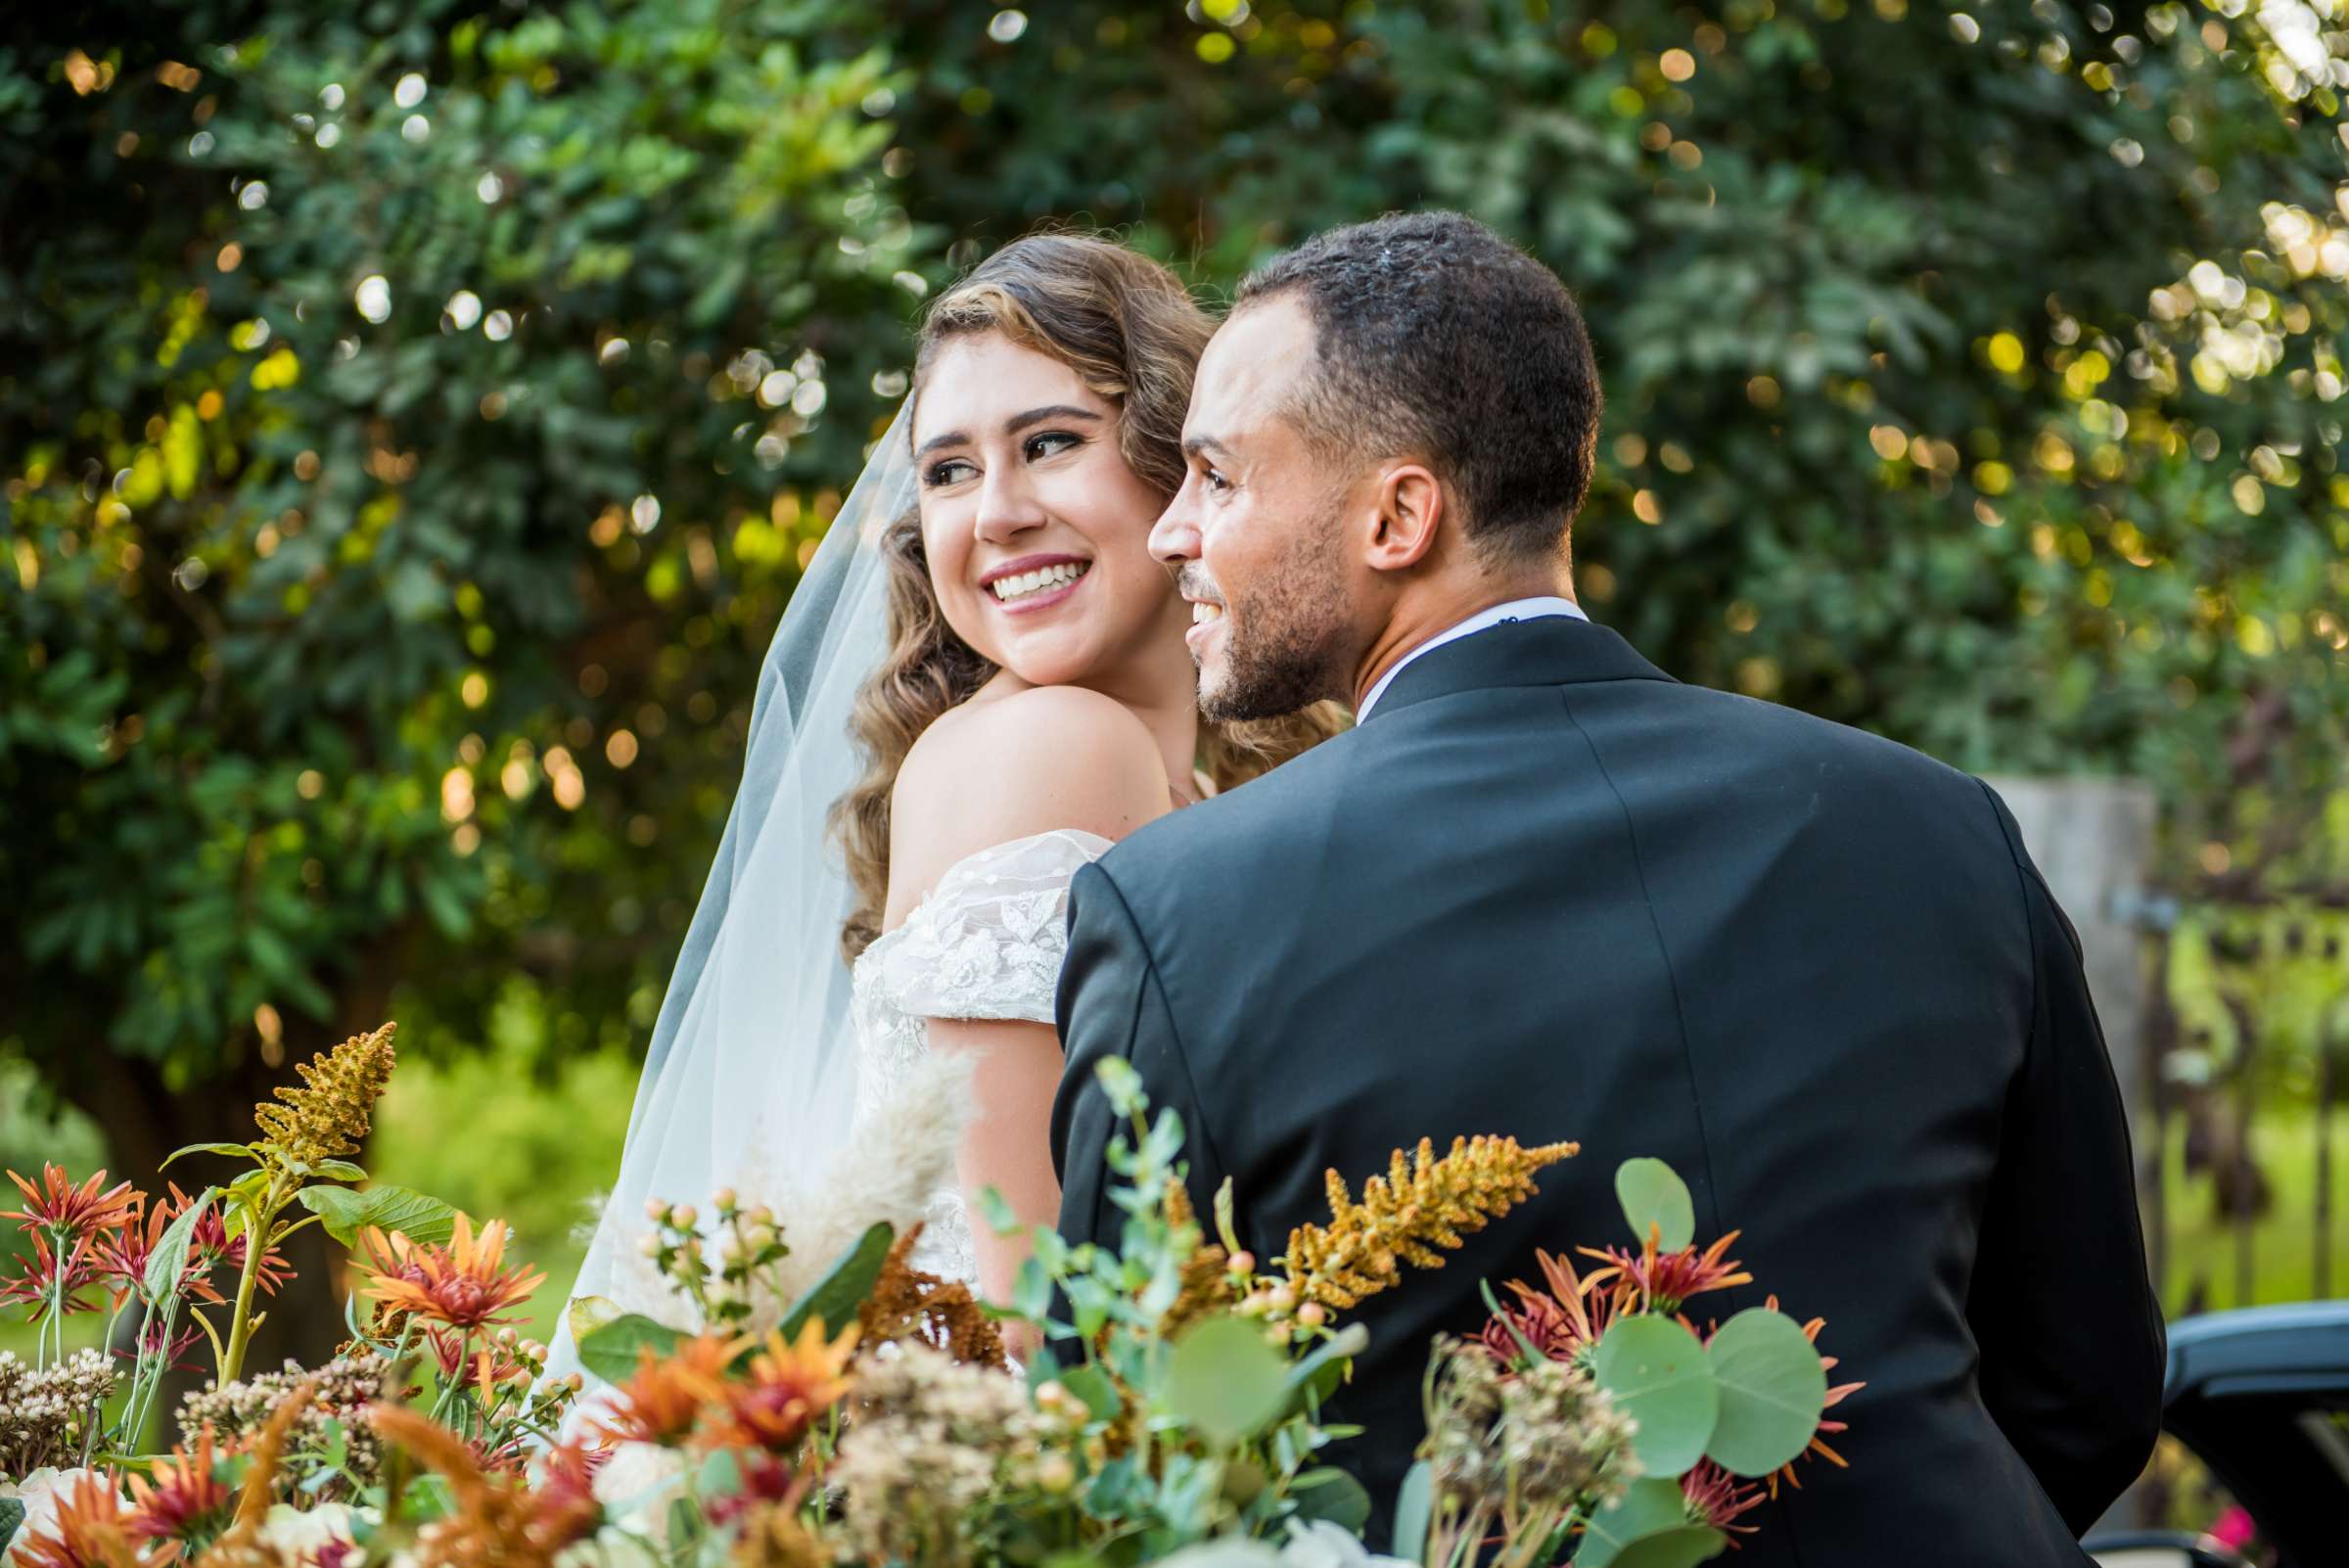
[1037,416]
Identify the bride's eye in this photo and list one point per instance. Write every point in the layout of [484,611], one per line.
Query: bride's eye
[949,472]
[1049,443]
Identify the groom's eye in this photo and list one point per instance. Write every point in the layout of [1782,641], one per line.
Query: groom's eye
[1215,481]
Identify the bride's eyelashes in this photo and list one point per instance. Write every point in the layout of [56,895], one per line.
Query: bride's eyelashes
[1036,448]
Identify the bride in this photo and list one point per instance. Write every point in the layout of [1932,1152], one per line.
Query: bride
[981,684]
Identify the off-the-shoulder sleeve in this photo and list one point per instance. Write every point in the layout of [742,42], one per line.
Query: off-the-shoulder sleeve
[989,941]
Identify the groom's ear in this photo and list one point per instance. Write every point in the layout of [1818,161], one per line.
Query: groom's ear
[1410,510]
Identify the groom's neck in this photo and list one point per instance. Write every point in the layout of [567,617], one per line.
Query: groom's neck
[1428,609]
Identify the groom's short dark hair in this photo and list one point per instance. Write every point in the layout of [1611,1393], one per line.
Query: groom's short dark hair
[1438,337]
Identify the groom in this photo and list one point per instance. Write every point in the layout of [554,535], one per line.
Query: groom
[1544,890]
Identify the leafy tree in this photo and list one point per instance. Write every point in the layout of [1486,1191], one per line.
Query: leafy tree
[413,423]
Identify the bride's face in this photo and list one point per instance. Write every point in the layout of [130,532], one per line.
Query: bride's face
[1037,532]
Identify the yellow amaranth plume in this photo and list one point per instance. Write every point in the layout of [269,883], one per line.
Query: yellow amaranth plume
[328,1118]
[1406,1215]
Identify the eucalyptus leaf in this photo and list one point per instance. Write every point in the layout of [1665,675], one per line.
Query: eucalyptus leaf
[1412,1501]
[1649,1507]
[11,1518]
[834,1299]
[1773,1387]
[1093,1385]
[1329,1493]
[1680,1546]
[1224,1381]
[1654,1197]
[1656,1370]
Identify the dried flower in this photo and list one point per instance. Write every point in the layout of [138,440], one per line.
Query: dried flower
[327,1118]
[905,1302]
[61,1209]
[341,1393]
[933,1441]
[87,1529]
[47,1416]
[1206,1271]
[464,1284]
[1409,1213]
[494,1523]
[789,1385]
[182,1499]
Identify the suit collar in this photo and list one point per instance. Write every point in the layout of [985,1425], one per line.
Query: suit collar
[1553,651]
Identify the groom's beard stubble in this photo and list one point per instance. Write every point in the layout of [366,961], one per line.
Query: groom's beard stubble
[1283,644]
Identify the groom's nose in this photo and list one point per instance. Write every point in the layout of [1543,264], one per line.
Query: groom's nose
[1174,537]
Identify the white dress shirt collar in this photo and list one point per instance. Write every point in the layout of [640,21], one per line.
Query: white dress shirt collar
[1482,620]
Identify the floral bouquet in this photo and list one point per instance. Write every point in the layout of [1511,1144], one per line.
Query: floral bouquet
[793,1393]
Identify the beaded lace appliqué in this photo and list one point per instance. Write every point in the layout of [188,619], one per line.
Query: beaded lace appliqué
[987,942]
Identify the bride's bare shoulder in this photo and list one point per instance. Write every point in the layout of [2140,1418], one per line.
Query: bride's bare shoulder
[1008,767]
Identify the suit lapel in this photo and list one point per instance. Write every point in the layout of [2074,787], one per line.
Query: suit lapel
[1549,651]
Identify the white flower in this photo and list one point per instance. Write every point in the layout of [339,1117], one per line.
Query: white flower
[302,1535]
[1319,1543]
[637,1485]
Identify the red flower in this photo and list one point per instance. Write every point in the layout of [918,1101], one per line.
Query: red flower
[662,1402]
[43,1281]
[1561,1322]
[61,1209]
[124,1255]
[182,1497]
[1717,1498]
[563,1506]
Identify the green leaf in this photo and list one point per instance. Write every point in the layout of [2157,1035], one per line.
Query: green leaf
[585,1315]
[1224,1381]
[1680,1546]
[1648,1507]
[1329,1493]
[609,1351]
[996,1211]
[424,1220]
[1411,1503]
[339,1170]
[1773,1386]
[1225,1232]
[169,1259]
[11,1516]
[835,1297]
[241,1150]
[1652,1194]
[1323,1371]
[1031,1289]
[1093,1385]
[1657,1371]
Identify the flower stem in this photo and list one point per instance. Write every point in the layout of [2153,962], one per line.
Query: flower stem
[256,1245]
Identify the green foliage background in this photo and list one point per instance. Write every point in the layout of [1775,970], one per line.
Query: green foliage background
[413,419]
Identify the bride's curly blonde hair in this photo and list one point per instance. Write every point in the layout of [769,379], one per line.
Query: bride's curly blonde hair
[1131,333]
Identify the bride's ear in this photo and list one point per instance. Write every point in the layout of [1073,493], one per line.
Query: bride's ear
[1409,511]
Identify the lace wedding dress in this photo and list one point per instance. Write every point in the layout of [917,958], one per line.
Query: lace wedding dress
[988,942]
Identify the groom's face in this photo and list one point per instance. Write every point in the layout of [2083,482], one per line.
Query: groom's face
[1257,529]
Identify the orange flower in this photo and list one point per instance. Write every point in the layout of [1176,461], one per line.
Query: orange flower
[90,1530]
[664,1400]
[182,1497]
[1662,1281]
[464,1284]
[790,1384]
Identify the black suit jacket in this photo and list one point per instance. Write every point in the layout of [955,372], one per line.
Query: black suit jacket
[1546,891]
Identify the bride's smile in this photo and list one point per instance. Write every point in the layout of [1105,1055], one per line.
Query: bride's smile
[1035,582]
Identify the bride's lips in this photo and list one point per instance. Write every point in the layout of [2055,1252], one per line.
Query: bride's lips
[1045,599]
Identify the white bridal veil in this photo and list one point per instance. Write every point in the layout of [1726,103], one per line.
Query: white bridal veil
[753,1059]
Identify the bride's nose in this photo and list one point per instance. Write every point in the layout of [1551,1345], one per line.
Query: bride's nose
[1007,507]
